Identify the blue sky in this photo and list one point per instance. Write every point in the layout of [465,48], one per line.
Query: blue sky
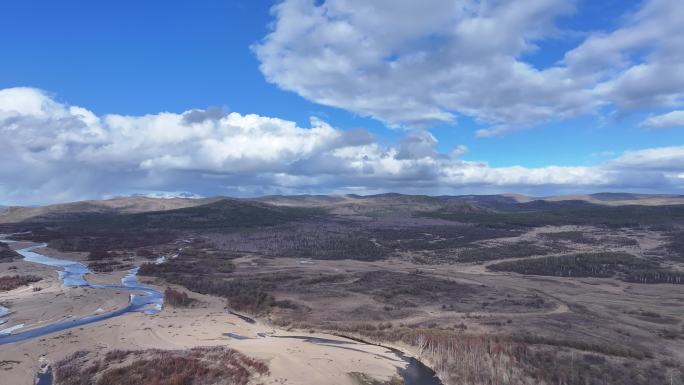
[134,58]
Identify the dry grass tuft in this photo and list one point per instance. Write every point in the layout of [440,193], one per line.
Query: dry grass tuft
[12,282]
[197,366]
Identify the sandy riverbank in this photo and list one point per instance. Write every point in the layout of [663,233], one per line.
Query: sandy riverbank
[291,361]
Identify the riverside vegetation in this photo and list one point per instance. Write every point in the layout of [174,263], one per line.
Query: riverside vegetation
[485,289]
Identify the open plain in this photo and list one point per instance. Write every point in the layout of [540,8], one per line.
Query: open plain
[345,290]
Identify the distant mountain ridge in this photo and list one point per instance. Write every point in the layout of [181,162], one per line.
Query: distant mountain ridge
[123,205]
[338,204]
[609,198]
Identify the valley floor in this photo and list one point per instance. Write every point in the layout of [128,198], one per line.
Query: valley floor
[604,329]
[290,360]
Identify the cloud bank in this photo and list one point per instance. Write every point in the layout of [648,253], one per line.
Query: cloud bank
[417,63]
[52,152]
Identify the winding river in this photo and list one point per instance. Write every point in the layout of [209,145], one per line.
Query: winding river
[72,274]
[150,301]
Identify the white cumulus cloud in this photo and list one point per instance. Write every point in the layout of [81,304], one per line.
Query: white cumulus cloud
[52,151]
[417,63]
